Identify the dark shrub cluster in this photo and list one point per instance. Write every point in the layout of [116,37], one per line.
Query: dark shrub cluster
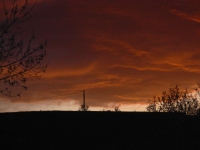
[175,100]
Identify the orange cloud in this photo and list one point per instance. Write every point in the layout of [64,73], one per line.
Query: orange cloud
[71,72]
[130,99]
[192,17]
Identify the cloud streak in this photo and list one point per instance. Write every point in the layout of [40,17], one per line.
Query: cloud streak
[192,17]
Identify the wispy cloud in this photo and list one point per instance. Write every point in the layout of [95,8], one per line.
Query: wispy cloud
[72,72]
[184,15]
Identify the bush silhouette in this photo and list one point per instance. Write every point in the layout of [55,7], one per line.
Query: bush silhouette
[175,101]
[84,108]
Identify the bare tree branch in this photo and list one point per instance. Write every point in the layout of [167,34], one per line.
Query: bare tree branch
[18,62]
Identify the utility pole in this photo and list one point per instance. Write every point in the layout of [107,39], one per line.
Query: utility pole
[84,107]
[84,100]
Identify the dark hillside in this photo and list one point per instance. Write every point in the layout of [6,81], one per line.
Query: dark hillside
[99,130]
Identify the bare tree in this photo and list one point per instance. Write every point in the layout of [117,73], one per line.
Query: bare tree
[17,61]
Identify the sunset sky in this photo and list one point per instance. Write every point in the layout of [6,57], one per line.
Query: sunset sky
[121,52]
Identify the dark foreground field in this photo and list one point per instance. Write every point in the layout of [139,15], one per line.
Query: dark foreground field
[99,130]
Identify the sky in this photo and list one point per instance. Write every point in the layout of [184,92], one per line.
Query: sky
[121,52]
